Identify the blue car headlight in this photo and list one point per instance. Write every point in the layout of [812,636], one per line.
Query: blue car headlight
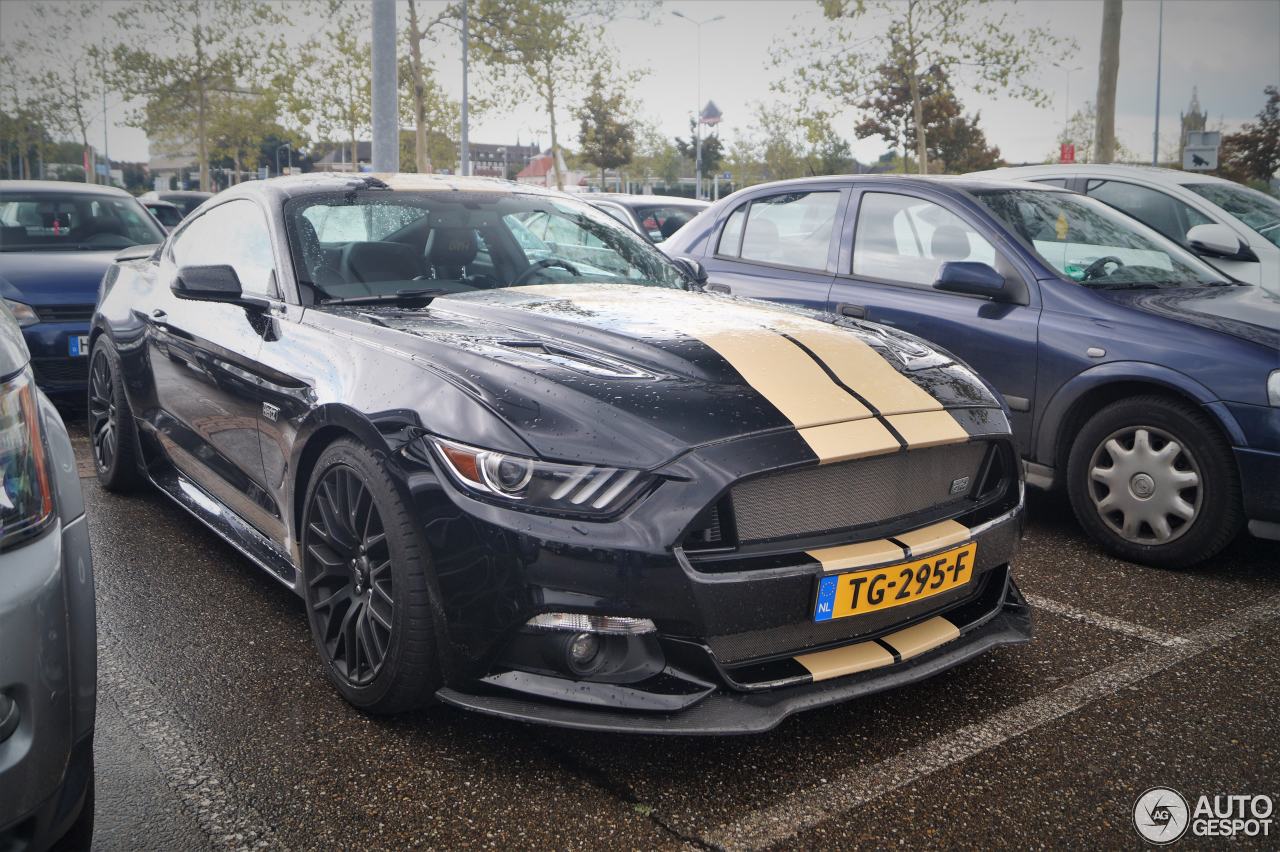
[586,490]
[23,313]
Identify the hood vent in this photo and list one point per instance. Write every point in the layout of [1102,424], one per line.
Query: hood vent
[591,363]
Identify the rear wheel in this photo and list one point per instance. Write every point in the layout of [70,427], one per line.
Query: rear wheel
[1153,481]
[112,430]
[365,574]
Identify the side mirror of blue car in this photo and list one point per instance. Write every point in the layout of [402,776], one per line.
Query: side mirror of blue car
[972,278]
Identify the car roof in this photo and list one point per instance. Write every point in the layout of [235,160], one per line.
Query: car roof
[158,202]
[946,183]
[1152,174]
[627,199]
[60,186]
[282,188]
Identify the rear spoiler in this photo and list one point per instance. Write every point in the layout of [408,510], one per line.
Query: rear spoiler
[137,252]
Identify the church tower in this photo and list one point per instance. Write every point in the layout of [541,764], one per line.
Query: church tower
[1193,120]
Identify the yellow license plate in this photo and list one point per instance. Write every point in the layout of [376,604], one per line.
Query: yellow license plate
[860,592]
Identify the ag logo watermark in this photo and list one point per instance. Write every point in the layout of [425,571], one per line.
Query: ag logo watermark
[1162,816]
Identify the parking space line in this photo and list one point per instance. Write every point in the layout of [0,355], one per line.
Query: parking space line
[199,782]
[809,807]
[1107,622]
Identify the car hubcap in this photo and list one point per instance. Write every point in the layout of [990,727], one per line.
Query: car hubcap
[1145,485]
[348,571]
[102,412]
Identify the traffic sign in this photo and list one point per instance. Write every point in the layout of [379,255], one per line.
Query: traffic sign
[1200,159]
[1067,153]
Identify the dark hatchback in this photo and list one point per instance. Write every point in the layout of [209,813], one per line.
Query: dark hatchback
[56,241]
[571,491]
[1137,376]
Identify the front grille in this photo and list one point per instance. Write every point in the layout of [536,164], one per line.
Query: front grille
[64,313]
[858,493]
[53,370]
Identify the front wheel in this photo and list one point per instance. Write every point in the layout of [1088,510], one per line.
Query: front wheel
[365,575]
[1152,481]
[112,430]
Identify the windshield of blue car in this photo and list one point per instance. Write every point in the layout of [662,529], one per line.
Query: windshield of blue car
[379,243]
[68,221]
[1259,211]
[1090,243]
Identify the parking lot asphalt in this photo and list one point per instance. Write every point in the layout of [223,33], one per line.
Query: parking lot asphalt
[218,730]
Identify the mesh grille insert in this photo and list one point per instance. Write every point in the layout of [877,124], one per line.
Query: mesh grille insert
[854,493]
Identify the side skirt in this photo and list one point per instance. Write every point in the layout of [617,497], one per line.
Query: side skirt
[214,514]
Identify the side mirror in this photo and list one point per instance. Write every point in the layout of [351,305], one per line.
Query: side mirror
[693,270]
[1217,241]
[972,278]
[212,284]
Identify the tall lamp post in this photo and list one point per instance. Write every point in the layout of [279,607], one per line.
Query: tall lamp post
[1066,104]
[697,122]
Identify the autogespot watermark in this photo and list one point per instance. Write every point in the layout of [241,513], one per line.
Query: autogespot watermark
[1162,815]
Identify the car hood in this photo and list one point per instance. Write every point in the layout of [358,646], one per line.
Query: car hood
[1247,312]
[603,373]
[53,277]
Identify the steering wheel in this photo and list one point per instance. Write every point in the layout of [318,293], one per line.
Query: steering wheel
[545,263]
[1095,269]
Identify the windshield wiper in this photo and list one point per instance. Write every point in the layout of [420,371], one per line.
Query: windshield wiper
[408,295]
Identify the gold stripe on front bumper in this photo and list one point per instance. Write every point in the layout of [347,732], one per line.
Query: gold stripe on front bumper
[858,555]
[928,429]
[852,440]
[934,537]
[925,636]
[837,662]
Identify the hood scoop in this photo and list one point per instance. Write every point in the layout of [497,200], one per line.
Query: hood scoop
[591,363]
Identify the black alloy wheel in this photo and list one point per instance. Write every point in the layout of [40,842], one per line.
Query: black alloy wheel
[112,430]
[368,584]
[350,588]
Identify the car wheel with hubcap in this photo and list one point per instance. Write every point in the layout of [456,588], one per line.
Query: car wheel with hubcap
[1152,480]
[112,431]
[366,585]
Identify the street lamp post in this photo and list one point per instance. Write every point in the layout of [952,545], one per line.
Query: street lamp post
[503,150]
[1066,106]
[697,114]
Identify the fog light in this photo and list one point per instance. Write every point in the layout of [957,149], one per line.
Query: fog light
[582,651]
[614,624]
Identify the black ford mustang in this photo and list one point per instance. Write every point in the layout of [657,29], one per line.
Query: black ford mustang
[551,480]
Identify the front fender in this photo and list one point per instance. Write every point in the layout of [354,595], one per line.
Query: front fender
[1071,392]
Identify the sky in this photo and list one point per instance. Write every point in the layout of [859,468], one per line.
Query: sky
[1229,49]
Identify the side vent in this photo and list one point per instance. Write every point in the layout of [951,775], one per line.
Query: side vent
[712,530]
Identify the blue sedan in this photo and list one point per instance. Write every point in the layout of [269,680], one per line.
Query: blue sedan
[56,241]
[1136,375]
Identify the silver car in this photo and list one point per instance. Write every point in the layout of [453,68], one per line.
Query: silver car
[48,636]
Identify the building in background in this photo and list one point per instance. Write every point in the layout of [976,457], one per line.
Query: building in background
[540,172]
[490,159]
[1193,120]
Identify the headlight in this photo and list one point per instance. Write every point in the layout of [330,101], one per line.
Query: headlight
[540,485]
[24,314]
[26,492]
[1273,388]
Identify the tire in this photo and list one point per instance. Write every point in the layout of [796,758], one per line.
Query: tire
[113,434]
[1153,481]
[361,548]
[79,837]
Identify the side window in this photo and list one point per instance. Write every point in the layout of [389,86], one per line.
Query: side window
[1058,182]
[731,236]
[234,233]
[906,240]
[791,230]
[1151,207]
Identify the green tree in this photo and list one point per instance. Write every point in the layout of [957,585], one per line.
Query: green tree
[328,83]
[607,140]
[176,55]
[828,153]
[1081,131]
[836,63]
[1253,153]
[712,149]
[238,125]
[427,106]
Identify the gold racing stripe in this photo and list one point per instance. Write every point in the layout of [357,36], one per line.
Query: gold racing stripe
[823,665]
[918,638]
[928,429]
[934,537]
[783,374]
[866,371]
[854,439]
[845,556]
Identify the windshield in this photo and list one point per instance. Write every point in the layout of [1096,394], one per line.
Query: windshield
[1090,243]
[1259,211]
[380,243]
[166,214]
[66,221]
[661,221]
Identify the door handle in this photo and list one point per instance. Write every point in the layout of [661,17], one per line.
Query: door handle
[855,311]
[718,288]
